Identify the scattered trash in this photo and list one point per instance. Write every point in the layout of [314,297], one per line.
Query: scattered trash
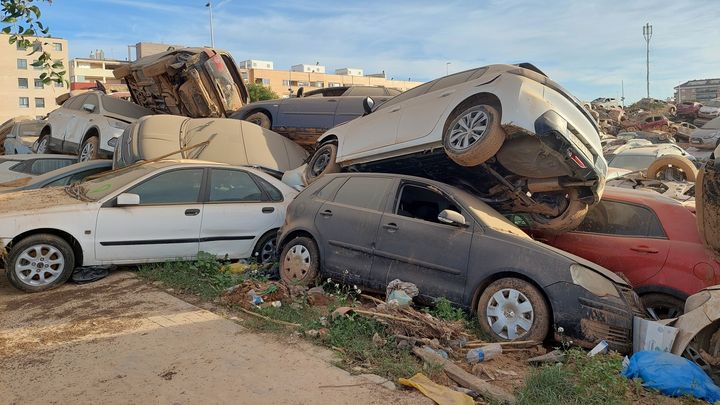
[439,352]
[251,293]
[438,393]
[651,335]
[601,347]
[399,298]
[555,356]
[672,375]
[276,304]
[237,268]
[254,298]
[84,275]
[409,288]
[484,353]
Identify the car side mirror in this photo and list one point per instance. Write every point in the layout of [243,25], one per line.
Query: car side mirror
[89,107]
[127,199]
[112,142]
[368,104]
[300,92]
[451,217]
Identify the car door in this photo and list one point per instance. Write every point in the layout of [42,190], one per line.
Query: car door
[413,245]
[421,114]
[623,237]
[307,112]
[59,119]
[238,211]
[350,105]
[164,226]
[347,225]
[78,122]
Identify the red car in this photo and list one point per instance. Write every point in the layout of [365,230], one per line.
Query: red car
[651,239]
[688,109]
[651,123]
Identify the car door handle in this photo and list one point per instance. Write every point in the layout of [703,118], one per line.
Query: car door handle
[446,94]
[326,213]
[395,110]
[332,100]
[267,210]
[644,249]
[391,227]
[191,212]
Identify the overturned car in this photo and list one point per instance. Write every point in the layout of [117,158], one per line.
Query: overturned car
[506,133]
[194,82]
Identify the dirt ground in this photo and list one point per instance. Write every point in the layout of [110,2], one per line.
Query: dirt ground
[120,340]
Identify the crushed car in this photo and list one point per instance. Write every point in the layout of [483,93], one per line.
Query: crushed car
[213,139]
[305,117]
[707,136]
[507,133]
[152,212]
[19,134]
[662,161]
[192,82]
[451,244]
[88,125]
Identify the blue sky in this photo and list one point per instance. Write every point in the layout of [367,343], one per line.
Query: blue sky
[588,46]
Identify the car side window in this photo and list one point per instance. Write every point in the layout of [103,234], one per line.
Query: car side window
[75,103]
[622,219]
[364,192]
[452,80]
[414,92]
[92,99]
[175,187]
[233,186]
[270,190]
[329,189]
[366,91]
[423,203]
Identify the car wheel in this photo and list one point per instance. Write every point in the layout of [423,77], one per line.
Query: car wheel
[89,149]
[663,306]
[511,309]
[474,135]
[265,248]
[42,145]
[322,162]
[631,129]
[259,118]
[572,213]
[299,261]
[672,167]
[40,262]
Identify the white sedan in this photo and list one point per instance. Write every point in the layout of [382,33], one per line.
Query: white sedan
[149,213]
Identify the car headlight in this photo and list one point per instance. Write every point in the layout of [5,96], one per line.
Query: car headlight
[592,281]
[112,142]
[117,124]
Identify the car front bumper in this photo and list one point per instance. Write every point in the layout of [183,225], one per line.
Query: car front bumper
[586,319]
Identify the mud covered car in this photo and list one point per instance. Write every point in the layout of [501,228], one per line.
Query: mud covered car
[213,139]
[453,245]
[707,202]
[194,82]
[507,133]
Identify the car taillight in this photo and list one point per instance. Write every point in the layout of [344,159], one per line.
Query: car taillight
[575,158]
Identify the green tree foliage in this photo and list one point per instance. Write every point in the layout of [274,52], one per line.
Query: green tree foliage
[258,92]
[21,21]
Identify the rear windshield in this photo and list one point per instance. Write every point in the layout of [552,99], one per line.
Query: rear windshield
[125,108]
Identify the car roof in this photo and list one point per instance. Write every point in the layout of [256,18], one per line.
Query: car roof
[29,156]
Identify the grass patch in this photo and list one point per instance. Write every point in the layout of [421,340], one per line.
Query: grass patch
[443,309]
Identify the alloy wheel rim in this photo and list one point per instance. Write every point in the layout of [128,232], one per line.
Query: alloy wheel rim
[321,162]
[42,146]
[267,250]
[666,311]
[86,152]
[297,262]
[510,313]
[39,265]
[468,130]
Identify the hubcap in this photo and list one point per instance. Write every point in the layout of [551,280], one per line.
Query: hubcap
[297,262]
[87,152]
[510,313]
[321,162]
[267,250]
[468,130]
[39,265]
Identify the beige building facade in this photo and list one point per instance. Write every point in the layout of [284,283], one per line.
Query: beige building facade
[284,82]
[84,72]
[23,91]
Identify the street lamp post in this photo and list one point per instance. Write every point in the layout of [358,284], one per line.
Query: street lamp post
[212,33]
[647,34]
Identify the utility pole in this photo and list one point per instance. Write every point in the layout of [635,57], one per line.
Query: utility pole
[622,89]
[212,32]
[647,34]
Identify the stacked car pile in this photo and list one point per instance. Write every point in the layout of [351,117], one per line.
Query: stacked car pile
[424,179]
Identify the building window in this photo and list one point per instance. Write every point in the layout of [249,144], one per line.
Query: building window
[331,84]
[20,45]
[39,84]
[24,102]
[22,82]
[57,46]
[22,63]
[59,84]
[39,102]
[286,82]
[263,81]
[317,84]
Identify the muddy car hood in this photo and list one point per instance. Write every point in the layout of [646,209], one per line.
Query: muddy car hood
[33,201]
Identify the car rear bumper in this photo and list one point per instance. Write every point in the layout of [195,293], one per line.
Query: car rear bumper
[586,319]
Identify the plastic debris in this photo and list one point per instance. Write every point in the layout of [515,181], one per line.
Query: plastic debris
[438,393]
[601,347]
[651,335]
[487,352]
[83,275]
[399,298]
[255,299]
[439,352]
[672,375]
[409,288]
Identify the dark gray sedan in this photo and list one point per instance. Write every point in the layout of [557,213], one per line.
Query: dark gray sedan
[304,118]
[368,229]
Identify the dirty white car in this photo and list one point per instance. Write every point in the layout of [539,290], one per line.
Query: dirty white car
[87,125]
[506,133]
[149,213]
[708,136]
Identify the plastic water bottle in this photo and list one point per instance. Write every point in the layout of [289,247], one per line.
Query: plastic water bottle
[484,353]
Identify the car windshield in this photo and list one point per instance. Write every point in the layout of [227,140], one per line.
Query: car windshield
[632,162]
[125,108]
[103,185]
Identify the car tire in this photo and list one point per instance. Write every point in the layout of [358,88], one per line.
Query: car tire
[50,251]
[264,251]
[516,299]
[89,149]
[322,162]
[259,118]
[299,261]
[467,147]
[683,164]
[663,305]
[568,220]
[631,129]
[42,144]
